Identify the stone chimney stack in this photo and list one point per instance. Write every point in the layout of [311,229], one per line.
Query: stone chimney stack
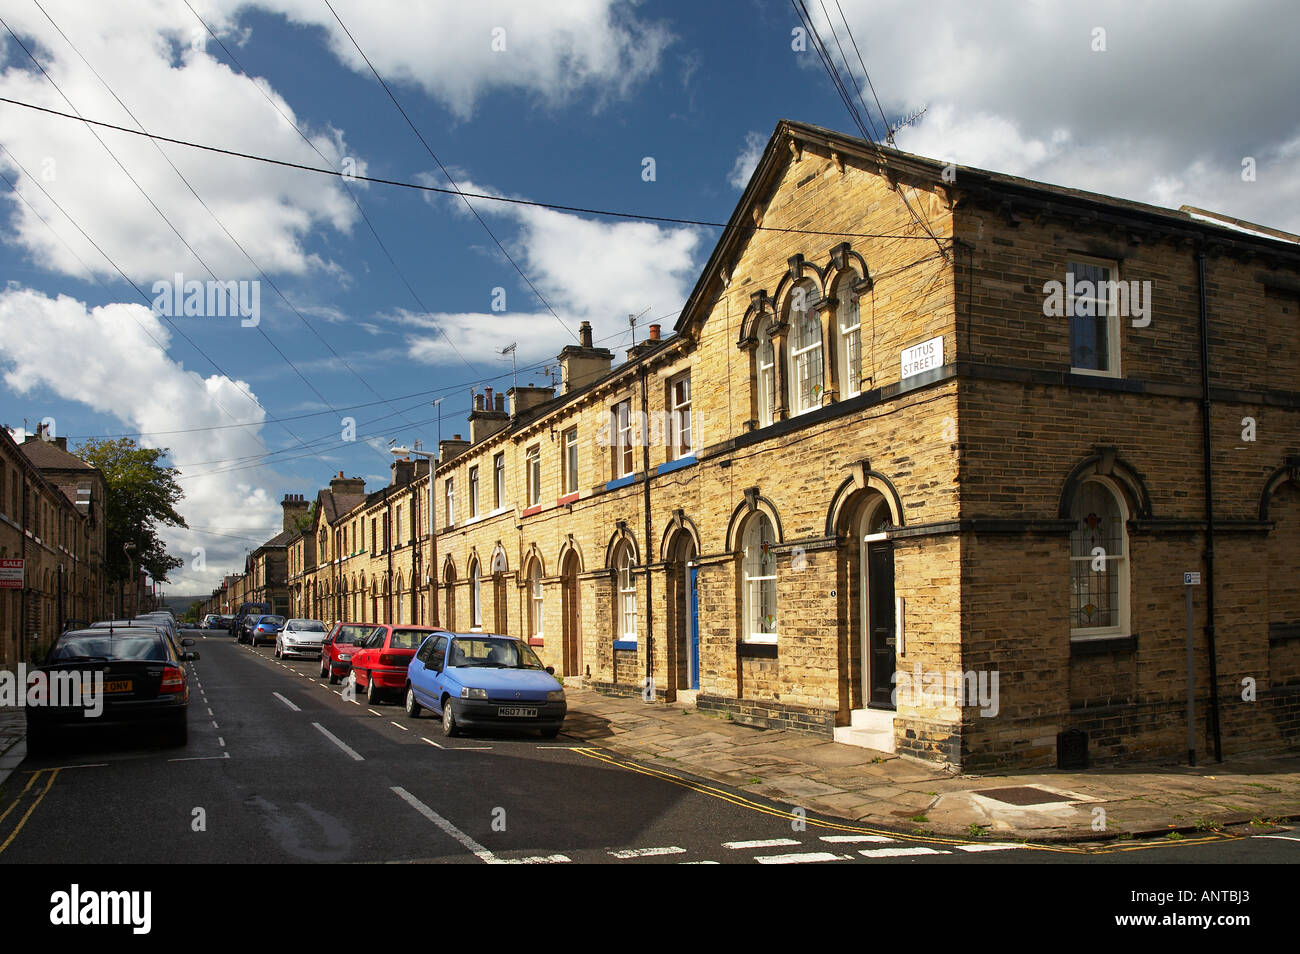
[526,397]
[293,506]
[452,448]
[582,363]
[347,485]
[488,416]
[403,471]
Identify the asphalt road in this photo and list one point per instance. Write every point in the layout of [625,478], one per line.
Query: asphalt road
[281,768]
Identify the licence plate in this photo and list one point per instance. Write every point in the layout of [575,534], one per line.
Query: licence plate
[118,685]
[517,712]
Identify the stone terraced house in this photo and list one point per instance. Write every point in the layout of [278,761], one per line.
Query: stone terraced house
[921,466]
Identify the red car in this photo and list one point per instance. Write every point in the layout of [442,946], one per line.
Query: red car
[379,661]
[337,649]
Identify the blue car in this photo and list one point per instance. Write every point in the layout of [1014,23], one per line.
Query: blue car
[476,680]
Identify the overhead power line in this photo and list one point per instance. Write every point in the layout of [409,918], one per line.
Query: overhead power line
[422,187]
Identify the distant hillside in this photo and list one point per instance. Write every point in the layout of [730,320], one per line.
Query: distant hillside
[181,604]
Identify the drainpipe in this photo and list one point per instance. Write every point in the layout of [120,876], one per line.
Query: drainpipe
[1206,407]
[22,599]
[645,496]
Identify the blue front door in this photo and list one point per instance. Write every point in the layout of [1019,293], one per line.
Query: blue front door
[695,628]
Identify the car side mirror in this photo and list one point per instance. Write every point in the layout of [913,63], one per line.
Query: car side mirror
[550,670]
[187,642]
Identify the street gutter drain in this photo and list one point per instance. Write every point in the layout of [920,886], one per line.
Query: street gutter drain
[1022,795]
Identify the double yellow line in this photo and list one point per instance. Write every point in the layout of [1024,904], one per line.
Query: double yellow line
[31,796]
[743,802]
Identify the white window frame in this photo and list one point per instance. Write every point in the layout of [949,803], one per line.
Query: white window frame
[499,480]
[812,366]
[755,585]
[571,461]
[473,491]
[679,416]
[476,595]
[533,474]
[1123,624]
[766,374]
[1112,369]
[535,600]
[625,583]
[848,324]
[449,489]
[622,426]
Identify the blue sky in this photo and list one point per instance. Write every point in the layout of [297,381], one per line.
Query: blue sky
[583,92]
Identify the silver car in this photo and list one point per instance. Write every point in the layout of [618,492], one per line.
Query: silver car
[300,637]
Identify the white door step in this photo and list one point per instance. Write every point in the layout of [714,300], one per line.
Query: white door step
[866,739]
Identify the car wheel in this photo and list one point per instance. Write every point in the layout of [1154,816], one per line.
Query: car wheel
[277,654]
[333,677]
[372,690]
[449,727]
[412,707]
[550,733]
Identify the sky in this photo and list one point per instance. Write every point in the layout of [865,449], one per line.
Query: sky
[363,303]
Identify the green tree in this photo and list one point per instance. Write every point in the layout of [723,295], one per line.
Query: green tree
[142,493]
[303,522]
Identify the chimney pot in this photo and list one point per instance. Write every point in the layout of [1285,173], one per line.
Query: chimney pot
[584,334]
[455,437]
[501,402]
[488,397]
[654,332]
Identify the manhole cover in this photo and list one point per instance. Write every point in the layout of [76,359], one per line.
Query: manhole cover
[1022,795]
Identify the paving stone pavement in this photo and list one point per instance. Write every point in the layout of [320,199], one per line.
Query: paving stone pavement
[875,788]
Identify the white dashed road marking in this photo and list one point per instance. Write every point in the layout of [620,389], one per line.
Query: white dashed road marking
[339,742]
[647,852]
[286,702]
[764,843]
[483,854]
[802,858]
[899,852]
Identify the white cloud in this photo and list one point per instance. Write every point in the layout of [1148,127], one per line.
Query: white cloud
[1165,114]
[140,52]
[119,347]
[462,52]
[587,270]
[747,161]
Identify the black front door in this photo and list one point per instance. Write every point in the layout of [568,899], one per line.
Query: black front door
[880,598]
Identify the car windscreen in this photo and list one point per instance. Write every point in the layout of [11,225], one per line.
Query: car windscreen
[272,620]
[307,625]
[111,646]
[492,653]
[353,634]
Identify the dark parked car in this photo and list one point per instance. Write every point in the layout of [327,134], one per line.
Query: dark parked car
[143,681]
[239,626]
[264,629]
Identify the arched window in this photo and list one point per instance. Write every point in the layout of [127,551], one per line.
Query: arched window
[806,384]
[766,370]
[535,600]
[848,329]
[626,585]
[758,579]
[475,596]
[1098,562]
